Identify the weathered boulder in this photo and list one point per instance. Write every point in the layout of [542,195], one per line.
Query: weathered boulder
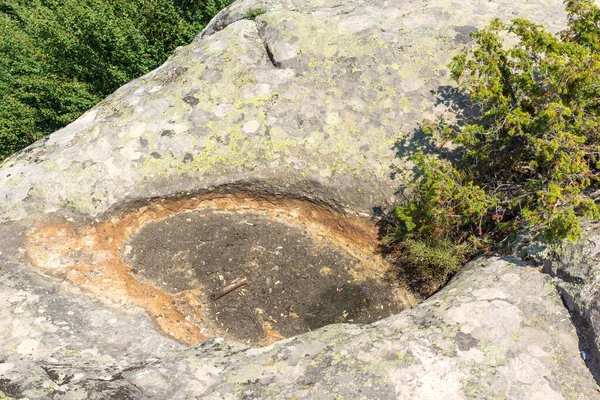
[307,100]
[498,330]
[264,147]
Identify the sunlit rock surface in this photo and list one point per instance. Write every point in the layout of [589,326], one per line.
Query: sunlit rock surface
[302,115]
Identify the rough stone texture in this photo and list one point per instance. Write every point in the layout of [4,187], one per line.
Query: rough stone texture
[577,275]
[309,100]
[306,102]
[498,330]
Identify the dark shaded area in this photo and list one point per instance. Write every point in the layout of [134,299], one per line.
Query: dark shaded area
[582,319]
[10,388]
[57,377]
[51,374]
[116,388]
[352,297]
[271,57]
[420,282]
[295,283]
[583,306]
[465,341]
[463,33]
[459,109]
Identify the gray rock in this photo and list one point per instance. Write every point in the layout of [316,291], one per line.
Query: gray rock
[577,268]
[322,120]
[498,330]
[484,336]
[303,116]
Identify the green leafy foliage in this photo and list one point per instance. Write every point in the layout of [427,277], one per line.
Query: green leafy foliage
[448,201]
[437,259]
[60,57]
[531,154]
[255,12]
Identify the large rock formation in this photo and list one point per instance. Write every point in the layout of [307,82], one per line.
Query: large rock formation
[263,150]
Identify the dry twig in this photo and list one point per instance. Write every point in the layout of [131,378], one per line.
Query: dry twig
[229,288]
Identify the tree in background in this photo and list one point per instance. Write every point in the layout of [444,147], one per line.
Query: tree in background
[58,58]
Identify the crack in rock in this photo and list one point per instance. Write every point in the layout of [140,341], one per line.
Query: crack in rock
[261,28]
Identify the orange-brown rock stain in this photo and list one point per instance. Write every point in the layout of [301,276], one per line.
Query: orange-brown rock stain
[88,254]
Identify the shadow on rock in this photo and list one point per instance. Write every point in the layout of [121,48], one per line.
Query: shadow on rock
[338,304]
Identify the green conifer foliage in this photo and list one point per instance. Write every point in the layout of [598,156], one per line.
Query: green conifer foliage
[531,156]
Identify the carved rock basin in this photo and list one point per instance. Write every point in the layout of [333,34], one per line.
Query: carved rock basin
[306,265]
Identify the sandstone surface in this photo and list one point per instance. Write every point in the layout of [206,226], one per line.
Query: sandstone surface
[293,122]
